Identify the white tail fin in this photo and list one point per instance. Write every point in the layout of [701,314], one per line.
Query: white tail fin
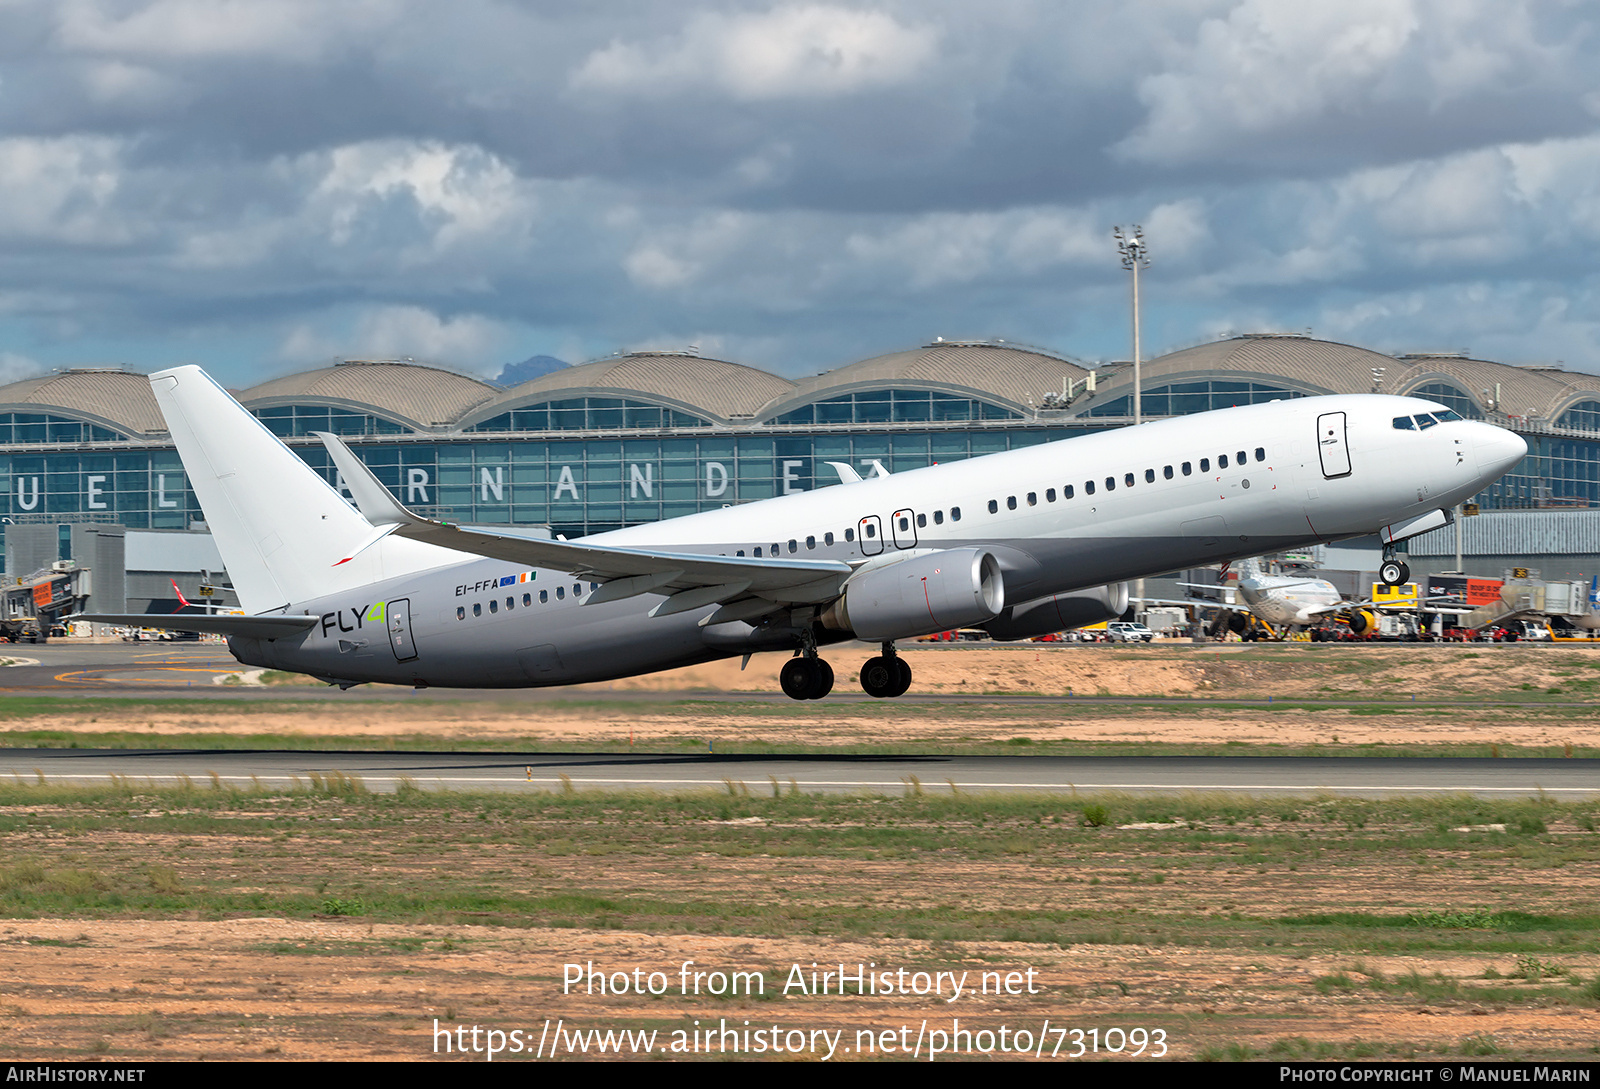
[280,527]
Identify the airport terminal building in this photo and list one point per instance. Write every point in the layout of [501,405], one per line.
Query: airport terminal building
[641,437]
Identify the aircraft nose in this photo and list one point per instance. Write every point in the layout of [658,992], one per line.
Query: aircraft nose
[1498,450]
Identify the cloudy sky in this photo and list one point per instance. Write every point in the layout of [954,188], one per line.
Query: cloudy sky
[262,185]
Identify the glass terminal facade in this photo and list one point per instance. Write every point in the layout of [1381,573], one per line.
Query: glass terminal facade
[587,482]
[590,463]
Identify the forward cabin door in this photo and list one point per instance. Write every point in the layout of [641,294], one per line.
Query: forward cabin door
[1332,445]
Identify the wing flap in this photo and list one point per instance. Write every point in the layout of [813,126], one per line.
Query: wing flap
[643,570]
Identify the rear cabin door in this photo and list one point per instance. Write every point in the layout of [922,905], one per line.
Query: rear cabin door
[405,649]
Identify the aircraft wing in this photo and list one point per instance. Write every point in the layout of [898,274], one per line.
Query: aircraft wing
[256,627]
[747,587]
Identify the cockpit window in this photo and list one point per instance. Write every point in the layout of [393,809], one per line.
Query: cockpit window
[1447,415]
[1403,423]
[1425,421]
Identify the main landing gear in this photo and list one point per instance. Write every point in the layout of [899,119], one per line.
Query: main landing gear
[806,677]
[886,677]
[1393,571]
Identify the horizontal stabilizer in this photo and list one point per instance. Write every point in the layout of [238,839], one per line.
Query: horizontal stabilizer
[254,627]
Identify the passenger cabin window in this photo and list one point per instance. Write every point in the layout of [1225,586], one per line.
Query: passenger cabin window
[1033,499]
[850,534]
[872,530]
[938,517]
[955,514]
[1066,492]
[1242,459]
[811,542]
[527,600]
[757,552]
[561,593]
[1167,472]
[827,539]
[494,606]
[1186,469]
[1261,453]
[922,521]
[1205,465]
[1127,480]
[461,612]
[477,609]
[1149,476]
[511,603]
[544,597]
[1222,461]
[794,546]
[1011,502]
[1088,487]
[1111,483]
[1049,495]
[994,506]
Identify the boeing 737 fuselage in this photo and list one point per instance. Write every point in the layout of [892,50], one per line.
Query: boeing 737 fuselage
[1019,543]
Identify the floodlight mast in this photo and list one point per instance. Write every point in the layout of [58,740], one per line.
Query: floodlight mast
[1135,255]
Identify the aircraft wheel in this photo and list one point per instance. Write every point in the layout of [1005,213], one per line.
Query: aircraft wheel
[880,677]
[798,678]
[903,677]
[824,680]
[1394,573]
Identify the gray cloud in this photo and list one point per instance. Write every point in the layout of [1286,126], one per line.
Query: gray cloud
[794,184]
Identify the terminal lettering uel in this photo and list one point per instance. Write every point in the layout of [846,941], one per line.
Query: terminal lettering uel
[1016,543]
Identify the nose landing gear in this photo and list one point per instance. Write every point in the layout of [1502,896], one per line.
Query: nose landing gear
[1393,571]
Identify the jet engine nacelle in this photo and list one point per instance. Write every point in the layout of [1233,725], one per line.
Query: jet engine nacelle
[1059,612]
[938,591]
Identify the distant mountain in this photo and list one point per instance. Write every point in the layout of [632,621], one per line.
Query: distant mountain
[528,369]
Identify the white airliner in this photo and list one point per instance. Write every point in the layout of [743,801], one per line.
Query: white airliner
[1019,543]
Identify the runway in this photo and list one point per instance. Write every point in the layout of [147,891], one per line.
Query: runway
[1566,780]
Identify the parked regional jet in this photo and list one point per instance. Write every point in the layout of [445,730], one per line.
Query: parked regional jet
[1281,601]
[1020,543]
[1286,603]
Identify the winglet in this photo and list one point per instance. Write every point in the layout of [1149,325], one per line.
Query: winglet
[372,499]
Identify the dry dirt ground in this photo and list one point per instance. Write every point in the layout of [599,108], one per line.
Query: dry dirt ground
[345,989]
[1460,696]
